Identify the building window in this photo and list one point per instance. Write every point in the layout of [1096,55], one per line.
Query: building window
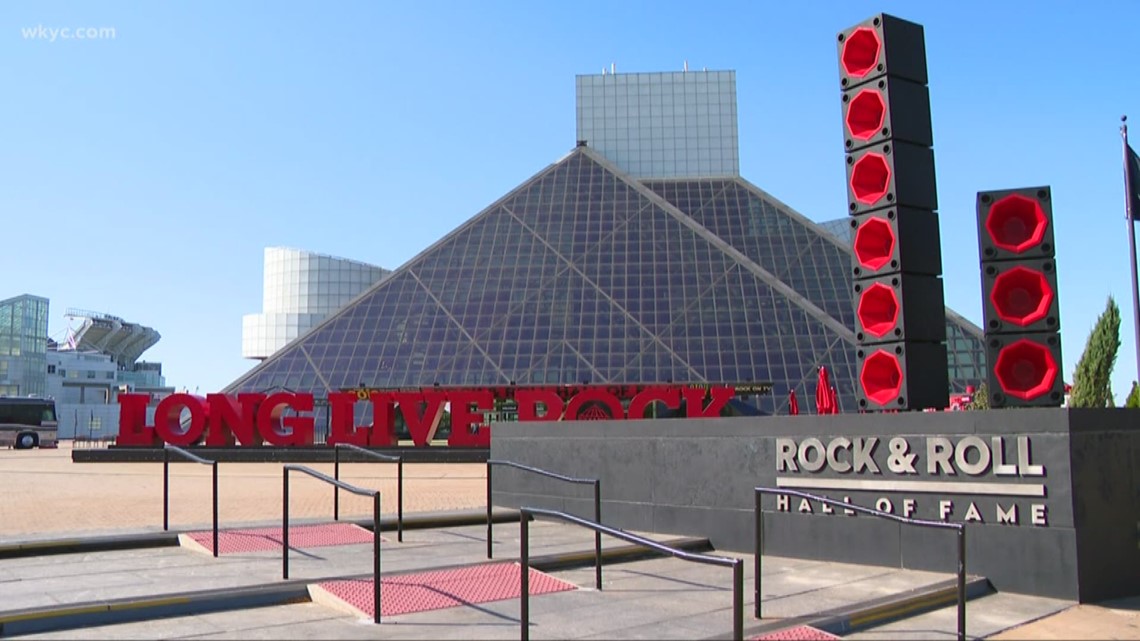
[51,369]
[91,373]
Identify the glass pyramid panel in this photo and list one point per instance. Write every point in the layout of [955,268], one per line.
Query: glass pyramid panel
[581,274]
[803,255]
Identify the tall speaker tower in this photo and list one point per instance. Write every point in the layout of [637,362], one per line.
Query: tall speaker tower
[899,305]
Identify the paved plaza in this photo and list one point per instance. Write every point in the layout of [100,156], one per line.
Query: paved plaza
[46,496]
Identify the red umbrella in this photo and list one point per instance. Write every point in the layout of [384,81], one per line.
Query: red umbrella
[834,401]
[793,404]
[823,393]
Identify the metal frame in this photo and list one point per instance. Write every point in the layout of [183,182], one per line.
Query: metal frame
[375,494]
[569,479]
[399,482]
[959,527]
[737,565]
[166,450]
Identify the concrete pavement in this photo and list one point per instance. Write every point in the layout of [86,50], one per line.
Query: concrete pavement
[48,496]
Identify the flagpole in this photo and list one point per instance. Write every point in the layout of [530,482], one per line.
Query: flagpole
[1131,239]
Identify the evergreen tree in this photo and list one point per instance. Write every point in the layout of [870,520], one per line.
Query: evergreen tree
[1092,379]
[981,398]
[1133,400]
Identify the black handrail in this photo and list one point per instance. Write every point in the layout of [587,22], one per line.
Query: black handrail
[960,527]
[569,479]
[399,483]
[737,565]
[375,494]
[166,450]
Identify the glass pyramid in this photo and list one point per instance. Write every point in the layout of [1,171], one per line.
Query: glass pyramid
[582,274]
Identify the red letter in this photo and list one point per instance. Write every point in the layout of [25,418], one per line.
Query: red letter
[133,429]
[670,396]
[342,422]
[594,400]
[422,427]
[230,417]
[695,400]
[462,418]
[168,419]
[528,401]
[383,420]
[300,430]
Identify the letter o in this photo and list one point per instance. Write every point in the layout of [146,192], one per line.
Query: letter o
[808,464]
[609,401]
[168,419]
[961,451]
[884,505]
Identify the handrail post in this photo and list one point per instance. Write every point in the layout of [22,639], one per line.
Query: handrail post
[758,553]
[336,488]
[376,554]
[960,528]
[489,526]
[285,527]
[400,499]
[215,466]
[598,534]
[524,578]
[526,513]
[962,583]
[738,600]
[165,489]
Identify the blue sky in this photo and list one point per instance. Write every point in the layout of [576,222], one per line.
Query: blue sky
[142,175]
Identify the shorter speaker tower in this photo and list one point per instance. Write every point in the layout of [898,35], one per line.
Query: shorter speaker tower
[1021,312]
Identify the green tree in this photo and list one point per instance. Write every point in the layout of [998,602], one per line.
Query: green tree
[1133,400]
[981,398]
[1092,379]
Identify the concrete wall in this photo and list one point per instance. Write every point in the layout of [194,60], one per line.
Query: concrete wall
[1105,458]
[695,477]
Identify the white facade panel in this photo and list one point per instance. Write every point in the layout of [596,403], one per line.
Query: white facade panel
[299,290]
[662,125]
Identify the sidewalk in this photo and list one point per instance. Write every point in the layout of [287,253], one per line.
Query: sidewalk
[45,494]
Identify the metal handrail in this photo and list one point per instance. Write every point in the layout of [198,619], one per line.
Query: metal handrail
[399,482]
[166,450]
[959,527]
[737,565]
[569,479]
[375,494]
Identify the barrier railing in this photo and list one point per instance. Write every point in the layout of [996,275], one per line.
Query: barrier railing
[166,451]
[959,527]
[375,494]
[568,479]
[737,565]
[399,482]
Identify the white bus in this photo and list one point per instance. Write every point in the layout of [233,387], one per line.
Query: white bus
[27,422]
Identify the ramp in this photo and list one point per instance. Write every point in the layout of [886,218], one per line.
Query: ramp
[436,590]
[798,633]
[267,539]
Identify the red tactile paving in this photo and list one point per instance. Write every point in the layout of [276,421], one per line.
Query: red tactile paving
[443,589]
[798,633]
[263,539]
